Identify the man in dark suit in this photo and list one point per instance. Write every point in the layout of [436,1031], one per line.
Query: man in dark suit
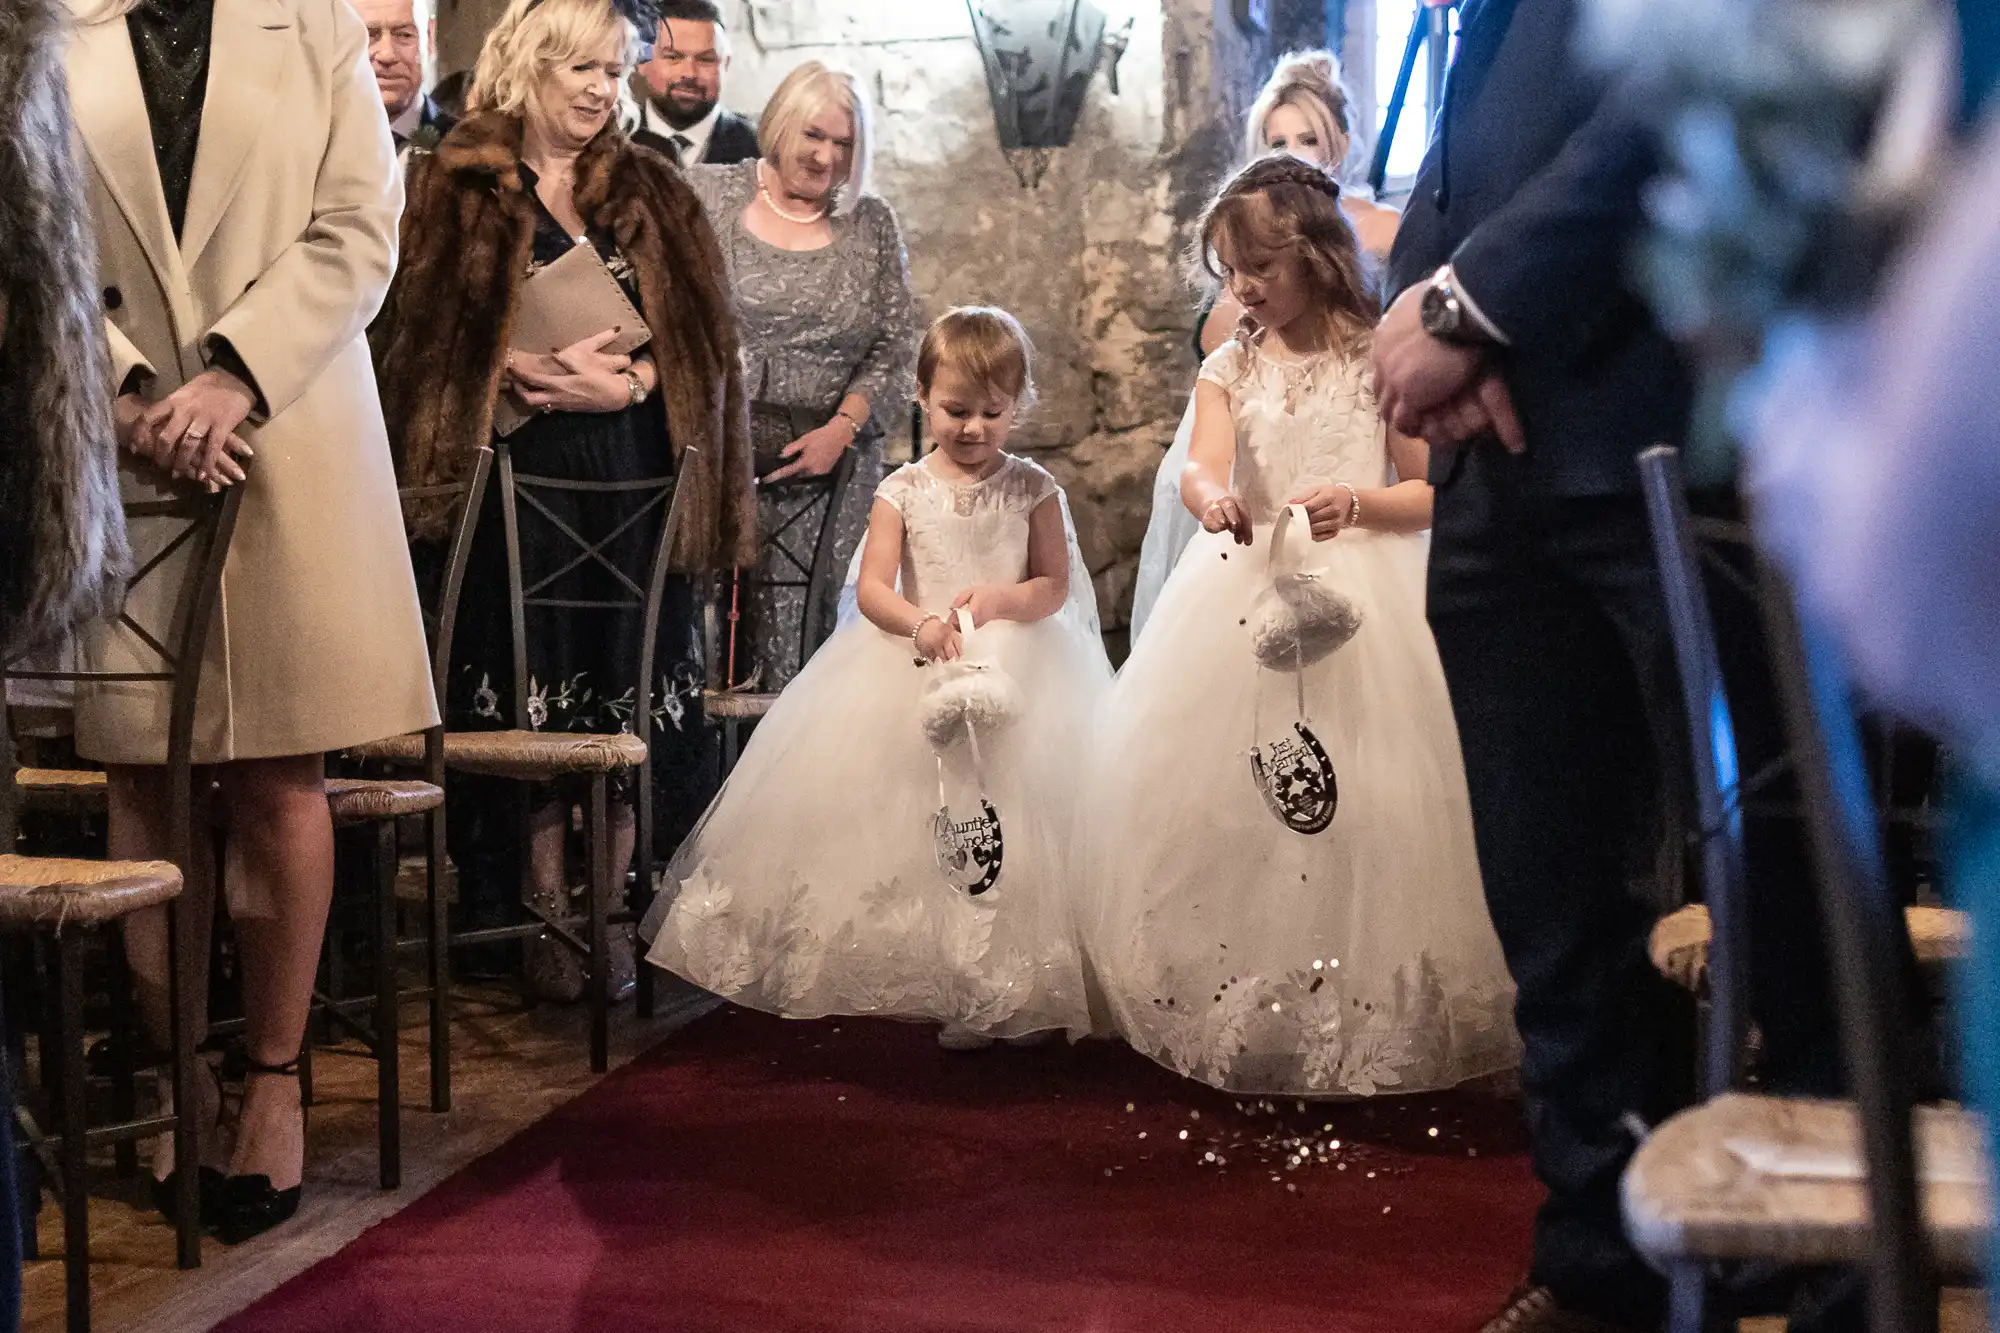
[679,90]
[401,35]
[1518,349]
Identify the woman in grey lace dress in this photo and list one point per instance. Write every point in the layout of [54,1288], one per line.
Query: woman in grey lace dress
[830,329]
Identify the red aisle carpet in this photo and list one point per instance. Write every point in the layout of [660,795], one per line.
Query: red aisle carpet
[758,1176]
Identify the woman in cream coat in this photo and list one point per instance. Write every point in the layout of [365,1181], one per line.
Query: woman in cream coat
[244,249]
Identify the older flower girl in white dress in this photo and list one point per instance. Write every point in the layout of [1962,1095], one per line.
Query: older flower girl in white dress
[897,837]
[1284,894]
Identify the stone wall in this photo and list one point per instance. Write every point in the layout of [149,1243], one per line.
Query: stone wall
[1091,261]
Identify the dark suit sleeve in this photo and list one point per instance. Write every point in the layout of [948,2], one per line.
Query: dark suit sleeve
[1546,265]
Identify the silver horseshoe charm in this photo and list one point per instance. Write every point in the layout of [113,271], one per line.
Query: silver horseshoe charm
[1296,780]
[969,852]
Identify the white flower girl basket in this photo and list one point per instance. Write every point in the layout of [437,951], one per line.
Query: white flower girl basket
[1296,622]
[1300,619]
[966,698]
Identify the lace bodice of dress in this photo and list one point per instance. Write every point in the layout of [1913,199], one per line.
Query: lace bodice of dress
[1298,423]
[955,536]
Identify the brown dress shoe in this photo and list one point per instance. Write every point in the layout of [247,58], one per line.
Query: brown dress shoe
[1534,1310]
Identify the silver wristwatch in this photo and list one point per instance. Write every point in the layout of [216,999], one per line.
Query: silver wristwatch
[1443,313]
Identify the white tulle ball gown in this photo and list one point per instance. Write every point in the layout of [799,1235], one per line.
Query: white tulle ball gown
[813,884]
[1224,944]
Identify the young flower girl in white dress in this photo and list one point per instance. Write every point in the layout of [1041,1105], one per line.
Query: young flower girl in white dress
[897,837]
[1284,895]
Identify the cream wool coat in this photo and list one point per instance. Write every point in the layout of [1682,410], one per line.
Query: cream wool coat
[286,252]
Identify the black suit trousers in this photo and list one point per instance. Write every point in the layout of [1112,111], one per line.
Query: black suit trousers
[1553,632]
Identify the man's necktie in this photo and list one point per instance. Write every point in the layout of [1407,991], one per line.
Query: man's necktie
[681,144]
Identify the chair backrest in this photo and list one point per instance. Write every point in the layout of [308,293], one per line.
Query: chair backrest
[1863,919]
[1717,778]
[796,548]
[207,525]
[467,495]
[643,589]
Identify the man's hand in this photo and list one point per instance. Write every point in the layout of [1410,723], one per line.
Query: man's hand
[1416,374]
[1486,408]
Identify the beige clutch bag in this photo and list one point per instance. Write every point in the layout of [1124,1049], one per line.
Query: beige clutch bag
[561,305]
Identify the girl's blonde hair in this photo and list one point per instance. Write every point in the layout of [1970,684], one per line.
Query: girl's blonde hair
[1299,213]
[986,345]
[805,92]
[536,36]
[1309,82]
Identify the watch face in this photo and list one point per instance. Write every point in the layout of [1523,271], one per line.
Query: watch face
[1440,313]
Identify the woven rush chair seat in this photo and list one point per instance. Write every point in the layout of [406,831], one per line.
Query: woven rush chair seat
[44,892]
[1770,1178]
[516,754]
[370,800]
[1679,942]
[742,705]
[63,791]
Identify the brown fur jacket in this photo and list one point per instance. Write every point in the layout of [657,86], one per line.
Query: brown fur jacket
[441,340]
[63,555]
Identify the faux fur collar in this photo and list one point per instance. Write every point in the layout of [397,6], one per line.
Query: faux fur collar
[487,144]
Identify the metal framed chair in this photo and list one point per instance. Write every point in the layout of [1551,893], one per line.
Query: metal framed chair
[535,756]
[366,815]
[67,902]
[1681,942]
[1743,1177]
[799,547]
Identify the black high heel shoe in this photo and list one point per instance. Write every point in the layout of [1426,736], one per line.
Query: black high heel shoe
[208,1182]
[249,1206]
[208,1189]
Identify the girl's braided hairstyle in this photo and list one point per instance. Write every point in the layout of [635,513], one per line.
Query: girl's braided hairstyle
[1302,216]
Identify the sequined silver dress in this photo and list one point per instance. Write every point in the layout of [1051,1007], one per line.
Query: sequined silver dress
[817,326]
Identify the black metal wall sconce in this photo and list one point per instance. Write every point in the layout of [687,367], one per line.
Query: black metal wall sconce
[1040,56]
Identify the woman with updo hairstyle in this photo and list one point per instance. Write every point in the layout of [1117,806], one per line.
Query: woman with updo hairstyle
[537,167]
[1304,111]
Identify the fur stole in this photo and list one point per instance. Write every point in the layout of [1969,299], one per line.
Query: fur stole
[63,554]
[441,341]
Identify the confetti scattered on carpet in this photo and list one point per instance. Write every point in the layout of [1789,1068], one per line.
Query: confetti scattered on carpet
[758,1176]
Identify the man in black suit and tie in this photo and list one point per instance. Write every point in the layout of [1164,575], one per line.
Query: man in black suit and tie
[679,90]
[1518,349]
[401,35]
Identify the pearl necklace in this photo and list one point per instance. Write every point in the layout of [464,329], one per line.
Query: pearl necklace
[764,193]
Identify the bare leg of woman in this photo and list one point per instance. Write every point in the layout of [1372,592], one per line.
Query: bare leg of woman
[141,830]
[280,877]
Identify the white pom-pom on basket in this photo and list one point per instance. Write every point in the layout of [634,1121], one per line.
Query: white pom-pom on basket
[965,692]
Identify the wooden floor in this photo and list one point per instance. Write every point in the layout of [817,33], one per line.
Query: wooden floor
[513,1065]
